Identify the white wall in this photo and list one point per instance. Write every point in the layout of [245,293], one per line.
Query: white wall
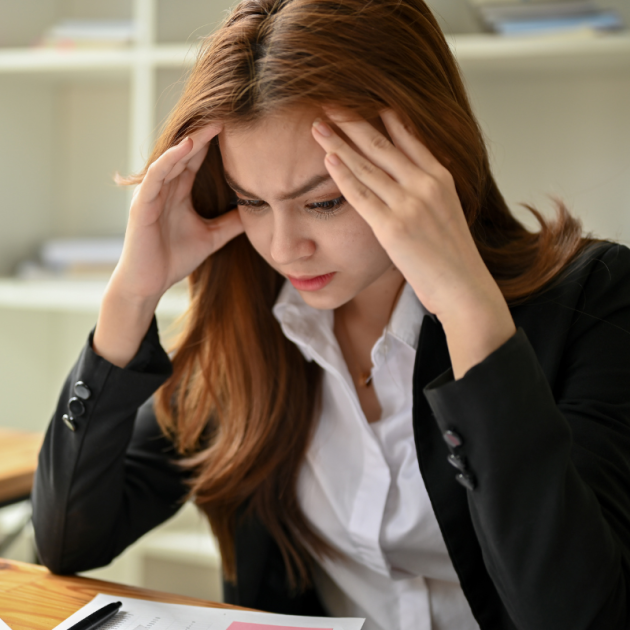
[566,134]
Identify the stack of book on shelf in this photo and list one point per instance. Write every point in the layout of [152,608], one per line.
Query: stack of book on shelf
[74,258]
[71,33]
[546,17]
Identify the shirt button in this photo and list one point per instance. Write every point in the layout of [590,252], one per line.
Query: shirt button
[453,439]
[82,390]
[76,407]
[468,481]
[68,422]
[458,462]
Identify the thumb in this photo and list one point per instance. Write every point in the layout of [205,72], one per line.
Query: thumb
[225,228]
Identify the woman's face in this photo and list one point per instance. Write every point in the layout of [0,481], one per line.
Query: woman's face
[293,212]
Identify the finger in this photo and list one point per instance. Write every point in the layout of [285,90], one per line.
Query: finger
[376,147]
[201,140]
[224,228]
[195,163]
[192,163]
[202,137]
[185,180]
[358,195]
[406,140]
[157,172]
[183,185]
[365,170]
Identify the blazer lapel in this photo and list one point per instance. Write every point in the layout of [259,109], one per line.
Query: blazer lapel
[448,498]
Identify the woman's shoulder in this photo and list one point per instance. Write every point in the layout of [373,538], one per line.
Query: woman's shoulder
[590,295]
[579,327]
[596,281]
[605,261]
[586,309]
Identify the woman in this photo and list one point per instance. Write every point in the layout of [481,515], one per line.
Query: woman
[414,410]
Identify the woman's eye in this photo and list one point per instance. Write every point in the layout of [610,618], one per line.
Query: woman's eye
[249,203]
[328,207]
[322,209]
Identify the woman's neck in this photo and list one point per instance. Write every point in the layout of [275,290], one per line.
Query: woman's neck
[358,324]
[370,310]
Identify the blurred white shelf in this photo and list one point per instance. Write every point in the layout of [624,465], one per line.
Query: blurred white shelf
[75,296]
[170,56]
[19,60]
[542,52]
[38,60]
[481,50]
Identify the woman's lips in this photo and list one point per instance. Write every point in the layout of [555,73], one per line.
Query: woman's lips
[314,283]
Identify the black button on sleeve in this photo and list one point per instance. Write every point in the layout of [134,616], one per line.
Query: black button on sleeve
[76,407]
[453,439]
[68,422]
[458,462]
[468,481]
[82,390]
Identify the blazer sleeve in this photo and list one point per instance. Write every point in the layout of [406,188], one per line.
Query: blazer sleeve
[550,470]
[100,487]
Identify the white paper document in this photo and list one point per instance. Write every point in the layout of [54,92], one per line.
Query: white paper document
[3,626]
[141,614]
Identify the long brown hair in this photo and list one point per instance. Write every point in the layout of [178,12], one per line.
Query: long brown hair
[242,400]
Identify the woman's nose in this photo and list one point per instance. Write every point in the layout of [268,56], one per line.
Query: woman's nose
[289,241]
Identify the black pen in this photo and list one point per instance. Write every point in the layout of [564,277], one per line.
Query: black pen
[98,618]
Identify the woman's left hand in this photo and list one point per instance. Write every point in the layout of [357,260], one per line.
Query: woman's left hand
[410,201]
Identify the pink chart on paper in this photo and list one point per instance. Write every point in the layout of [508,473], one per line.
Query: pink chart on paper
[242,625]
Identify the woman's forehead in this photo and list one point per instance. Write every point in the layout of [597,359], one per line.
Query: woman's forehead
[274,159]
[291,120]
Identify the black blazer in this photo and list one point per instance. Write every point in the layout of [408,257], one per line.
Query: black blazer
[540,538]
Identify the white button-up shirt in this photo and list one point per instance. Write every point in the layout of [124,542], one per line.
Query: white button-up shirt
[360,485]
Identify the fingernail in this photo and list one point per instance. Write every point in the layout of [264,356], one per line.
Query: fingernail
[184,140]
[322,127]
[333,159]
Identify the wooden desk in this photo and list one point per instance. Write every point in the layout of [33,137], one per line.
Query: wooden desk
[18,461]
[31,598]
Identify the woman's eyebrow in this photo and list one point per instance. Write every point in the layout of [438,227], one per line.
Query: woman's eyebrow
[310,185]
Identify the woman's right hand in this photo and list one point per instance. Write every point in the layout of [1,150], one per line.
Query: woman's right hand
[165,241]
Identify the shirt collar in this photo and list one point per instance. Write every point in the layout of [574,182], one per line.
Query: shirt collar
[311,328]
[407,317]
